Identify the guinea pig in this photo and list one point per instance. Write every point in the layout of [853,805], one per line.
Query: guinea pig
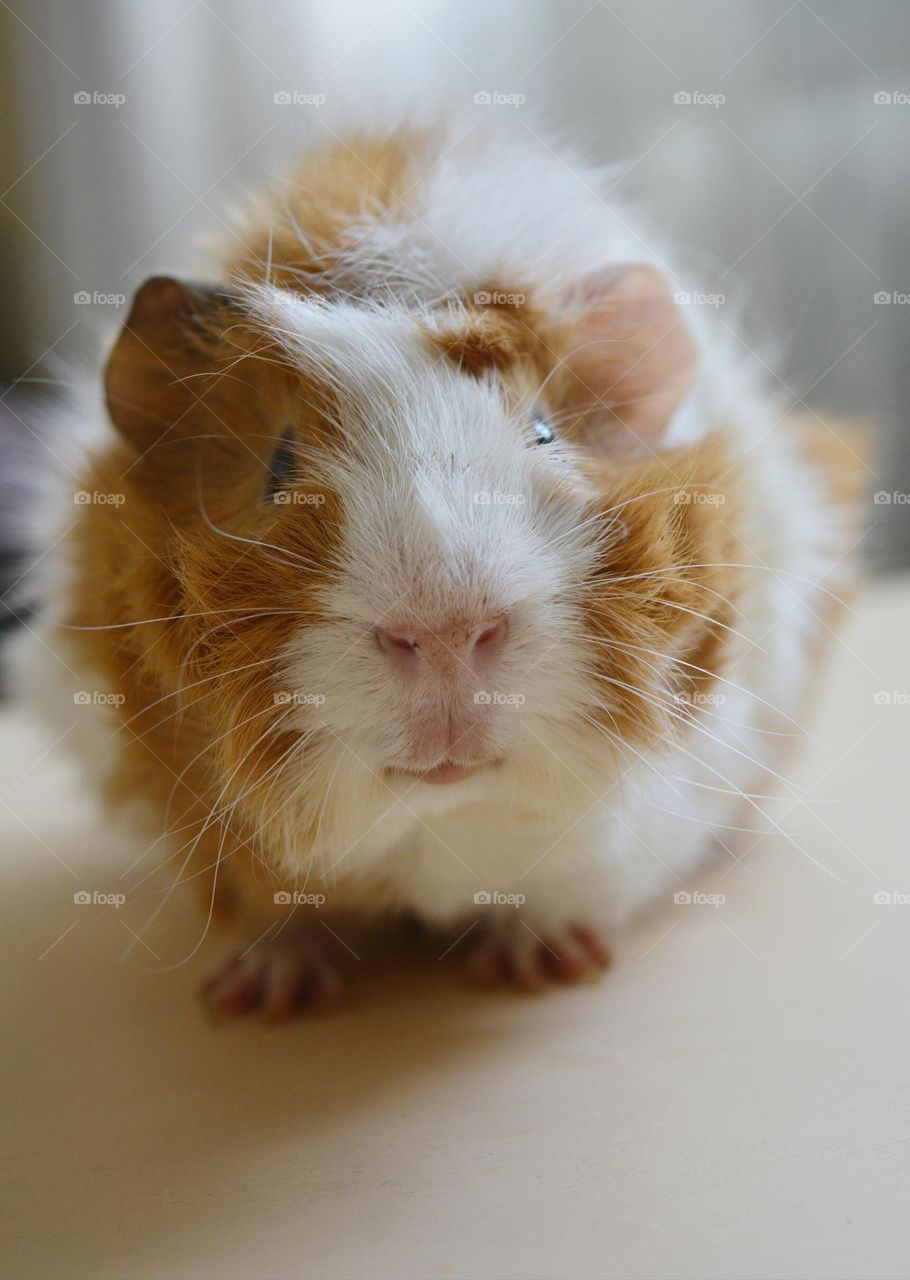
[437,561]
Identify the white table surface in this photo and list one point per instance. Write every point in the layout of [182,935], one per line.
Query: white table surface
[731,1101]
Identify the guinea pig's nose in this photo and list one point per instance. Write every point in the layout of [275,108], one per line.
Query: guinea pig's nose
[460,643]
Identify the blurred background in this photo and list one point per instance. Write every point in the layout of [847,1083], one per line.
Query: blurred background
[766,139]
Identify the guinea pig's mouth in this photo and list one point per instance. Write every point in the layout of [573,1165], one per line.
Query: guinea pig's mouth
[446,772]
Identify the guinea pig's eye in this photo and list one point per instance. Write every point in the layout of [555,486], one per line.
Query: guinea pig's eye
[543,432]
[281,465]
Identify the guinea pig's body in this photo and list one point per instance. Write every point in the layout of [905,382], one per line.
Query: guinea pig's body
[437,564]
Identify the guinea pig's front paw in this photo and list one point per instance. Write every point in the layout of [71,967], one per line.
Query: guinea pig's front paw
[521,958]
[276,979]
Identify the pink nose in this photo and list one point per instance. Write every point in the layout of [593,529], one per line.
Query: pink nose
[447,648]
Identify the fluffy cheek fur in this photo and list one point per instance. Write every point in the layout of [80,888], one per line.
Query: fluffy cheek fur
[661,608]
[258,590]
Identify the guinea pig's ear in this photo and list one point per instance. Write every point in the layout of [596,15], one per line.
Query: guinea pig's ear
[171,332]
[631,361]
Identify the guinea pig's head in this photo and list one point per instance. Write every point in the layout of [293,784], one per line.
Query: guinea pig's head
[414,549]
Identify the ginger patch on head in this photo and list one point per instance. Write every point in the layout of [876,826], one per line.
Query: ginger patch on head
[492,338]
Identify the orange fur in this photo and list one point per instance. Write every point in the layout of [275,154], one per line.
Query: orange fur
[664,584]
[300,230]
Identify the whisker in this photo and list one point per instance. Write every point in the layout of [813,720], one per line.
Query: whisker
[146,622]
[175,693]
[704,671]
[815,583]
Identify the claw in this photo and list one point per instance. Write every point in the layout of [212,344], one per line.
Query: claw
[528,962]
[277,978]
